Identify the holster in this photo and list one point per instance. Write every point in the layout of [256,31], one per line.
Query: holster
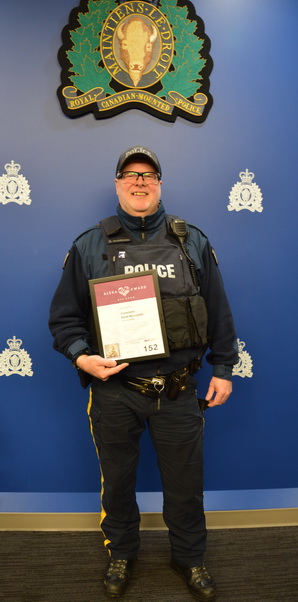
[177,383]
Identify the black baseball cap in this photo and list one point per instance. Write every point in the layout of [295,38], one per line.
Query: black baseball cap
[138,152]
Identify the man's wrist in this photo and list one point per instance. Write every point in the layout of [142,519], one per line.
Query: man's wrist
[222,371]
[79,354]
[77,348]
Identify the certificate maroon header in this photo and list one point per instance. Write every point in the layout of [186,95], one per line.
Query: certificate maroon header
[121,291]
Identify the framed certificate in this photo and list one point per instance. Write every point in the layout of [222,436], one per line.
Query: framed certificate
[128,317]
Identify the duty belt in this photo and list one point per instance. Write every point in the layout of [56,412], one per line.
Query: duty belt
[173,384]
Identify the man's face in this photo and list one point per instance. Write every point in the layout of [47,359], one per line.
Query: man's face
[139,198]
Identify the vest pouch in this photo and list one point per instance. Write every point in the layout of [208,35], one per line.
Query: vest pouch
[200,316]
[184,326]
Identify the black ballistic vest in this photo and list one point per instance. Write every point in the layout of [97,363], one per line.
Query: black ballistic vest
[184,308]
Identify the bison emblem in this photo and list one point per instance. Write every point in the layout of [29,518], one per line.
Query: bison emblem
[136,46]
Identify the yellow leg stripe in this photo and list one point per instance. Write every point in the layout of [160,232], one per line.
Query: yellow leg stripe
[89,403]
[90,422]
[103,513]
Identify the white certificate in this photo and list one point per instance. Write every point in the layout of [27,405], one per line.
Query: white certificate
[128,317]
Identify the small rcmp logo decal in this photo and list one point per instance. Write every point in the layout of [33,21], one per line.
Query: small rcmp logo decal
[15,360]
[245,194]
[14,188]
[149,55]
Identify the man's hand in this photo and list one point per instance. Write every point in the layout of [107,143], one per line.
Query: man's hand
[219,391]
[99,366]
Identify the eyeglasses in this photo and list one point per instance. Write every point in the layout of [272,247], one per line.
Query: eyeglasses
[149,177]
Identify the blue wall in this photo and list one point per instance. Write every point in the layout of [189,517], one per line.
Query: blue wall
[251,442]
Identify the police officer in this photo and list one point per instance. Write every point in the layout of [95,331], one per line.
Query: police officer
[158,393]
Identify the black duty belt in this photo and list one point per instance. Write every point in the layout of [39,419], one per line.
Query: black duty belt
[173,384]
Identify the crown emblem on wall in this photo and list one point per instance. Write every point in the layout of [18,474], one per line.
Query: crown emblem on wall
[245,194]
[246,176]
[14,344]
[12,168]
[14,188]
[15,360]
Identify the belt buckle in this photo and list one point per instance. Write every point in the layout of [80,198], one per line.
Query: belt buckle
[158,383]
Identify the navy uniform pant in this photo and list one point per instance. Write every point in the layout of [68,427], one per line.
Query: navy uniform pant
[118,418]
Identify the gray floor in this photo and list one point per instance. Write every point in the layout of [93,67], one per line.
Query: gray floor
[247,564]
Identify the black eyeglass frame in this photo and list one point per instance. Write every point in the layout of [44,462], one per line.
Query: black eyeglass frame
[138,174]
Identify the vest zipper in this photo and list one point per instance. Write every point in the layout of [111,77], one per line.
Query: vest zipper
[143,234]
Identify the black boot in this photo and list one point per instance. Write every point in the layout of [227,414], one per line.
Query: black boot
[116,577]
[198,581]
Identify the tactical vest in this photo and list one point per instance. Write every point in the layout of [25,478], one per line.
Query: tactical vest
[184,308]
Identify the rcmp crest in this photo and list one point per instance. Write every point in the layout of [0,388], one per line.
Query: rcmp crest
[151,55]
[15,360]
[245,194]
[244,366]
[14,188]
